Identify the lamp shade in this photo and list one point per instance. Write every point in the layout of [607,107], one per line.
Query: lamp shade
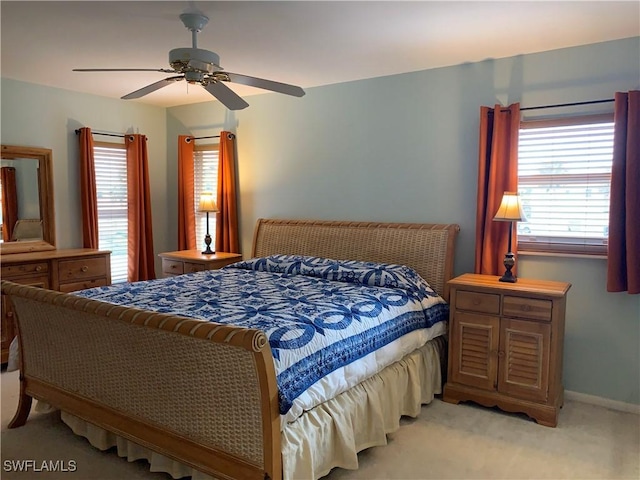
[207,203]
[510,209]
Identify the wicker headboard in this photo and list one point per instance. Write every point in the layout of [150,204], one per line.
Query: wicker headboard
[427,248]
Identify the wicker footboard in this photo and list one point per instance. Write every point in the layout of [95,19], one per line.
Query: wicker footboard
[201,393]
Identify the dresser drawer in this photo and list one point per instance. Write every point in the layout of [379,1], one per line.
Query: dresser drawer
[74,286]
[41,281]
[478,302]
[172,267]
[24,269]
[81,269]
[522,307]
[193,267]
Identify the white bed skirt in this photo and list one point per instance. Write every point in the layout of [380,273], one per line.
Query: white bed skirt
[328,436]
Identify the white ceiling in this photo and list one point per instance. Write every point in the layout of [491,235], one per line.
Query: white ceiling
[305,43]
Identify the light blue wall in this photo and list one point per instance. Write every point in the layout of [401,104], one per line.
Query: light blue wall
[405,148]
[398,148]
[38,116]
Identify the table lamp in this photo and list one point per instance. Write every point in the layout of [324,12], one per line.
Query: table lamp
[207,204]
[510,210]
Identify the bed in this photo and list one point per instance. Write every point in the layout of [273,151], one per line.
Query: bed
[201,398]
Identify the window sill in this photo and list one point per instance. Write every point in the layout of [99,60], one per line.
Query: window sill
[565,255]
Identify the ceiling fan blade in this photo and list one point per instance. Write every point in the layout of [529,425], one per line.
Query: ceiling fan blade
[152,87]
[227,97]
[163,70]
[266,84]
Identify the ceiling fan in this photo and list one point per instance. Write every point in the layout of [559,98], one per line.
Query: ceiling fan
[198,66]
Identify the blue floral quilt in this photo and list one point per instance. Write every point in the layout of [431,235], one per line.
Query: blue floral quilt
[318,314]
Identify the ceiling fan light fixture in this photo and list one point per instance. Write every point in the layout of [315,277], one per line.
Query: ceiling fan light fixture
[194,77]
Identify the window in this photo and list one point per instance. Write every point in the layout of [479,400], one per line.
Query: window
[111,187]
[205,170]
[564,174]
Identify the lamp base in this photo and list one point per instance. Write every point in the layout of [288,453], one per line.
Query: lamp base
[207,242]
[509,262]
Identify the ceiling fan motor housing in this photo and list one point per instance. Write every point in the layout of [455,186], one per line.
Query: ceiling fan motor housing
[179,59]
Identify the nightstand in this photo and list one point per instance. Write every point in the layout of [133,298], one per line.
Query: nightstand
[506,344]
[189,261]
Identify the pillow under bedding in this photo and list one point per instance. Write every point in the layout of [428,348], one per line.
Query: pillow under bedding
[350,271]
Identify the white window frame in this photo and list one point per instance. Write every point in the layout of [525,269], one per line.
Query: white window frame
[205,180]
[113,222]
[586,243]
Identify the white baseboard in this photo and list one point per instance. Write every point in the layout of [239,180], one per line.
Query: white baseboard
[602,402]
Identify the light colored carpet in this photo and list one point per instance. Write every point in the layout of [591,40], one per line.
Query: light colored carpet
[446,442]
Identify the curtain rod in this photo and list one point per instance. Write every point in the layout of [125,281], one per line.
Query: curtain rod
[121,135]
[229,135]
[559,105]
[210,136]
[574,104]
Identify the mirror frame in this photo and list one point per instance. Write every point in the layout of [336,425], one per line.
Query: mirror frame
[45,191]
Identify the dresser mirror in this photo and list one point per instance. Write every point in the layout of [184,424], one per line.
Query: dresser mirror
[26,182]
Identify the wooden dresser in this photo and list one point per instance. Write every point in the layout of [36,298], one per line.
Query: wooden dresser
[506,344]
[62,270]
[189,261]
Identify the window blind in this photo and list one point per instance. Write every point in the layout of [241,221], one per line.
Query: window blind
[205,168]
[111,187]
[564,174]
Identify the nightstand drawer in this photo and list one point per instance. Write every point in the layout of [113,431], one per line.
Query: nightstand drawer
[191,261]
[526,308]
[478,302]
[172,267]
[80,269]
[193,267]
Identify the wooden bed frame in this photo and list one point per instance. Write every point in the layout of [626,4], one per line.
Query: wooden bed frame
[200,393]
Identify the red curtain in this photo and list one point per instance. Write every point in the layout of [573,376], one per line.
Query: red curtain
[88,195]
[9,202]
[140,232]
[497,173]
[186,212]
[227,239]
[623,259]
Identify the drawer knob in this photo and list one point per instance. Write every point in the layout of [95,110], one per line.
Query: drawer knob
[476,301]
[39,268]
[85,269]
[526,308]
[173,267]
